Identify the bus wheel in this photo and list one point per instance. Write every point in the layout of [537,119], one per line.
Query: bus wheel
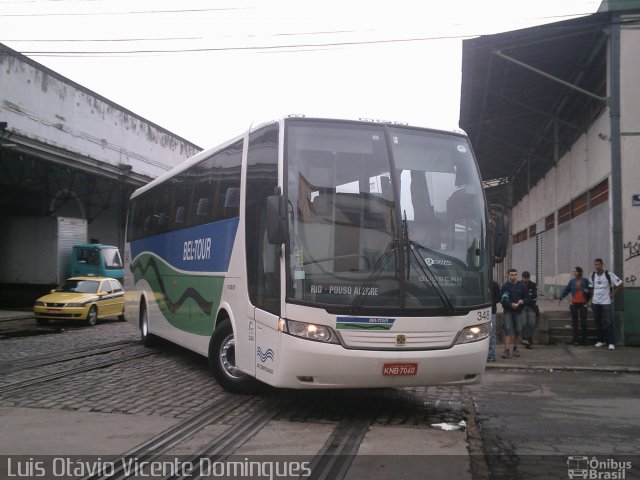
[147,339]
[222,361]
[92,316]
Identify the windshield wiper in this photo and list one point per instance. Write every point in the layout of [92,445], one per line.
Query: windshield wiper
[424,266]
[378,268]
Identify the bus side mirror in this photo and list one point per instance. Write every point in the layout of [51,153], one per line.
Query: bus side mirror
[500,230]
[276,219]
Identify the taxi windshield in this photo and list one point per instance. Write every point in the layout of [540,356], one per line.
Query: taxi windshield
[79,286]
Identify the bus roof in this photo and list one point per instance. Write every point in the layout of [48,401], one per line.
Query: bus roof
[210,151]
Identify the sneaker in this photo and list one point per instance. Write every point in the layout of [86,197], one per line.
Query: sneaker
[529,346]
[506,354]
[600,344]
[516,353]
[612,346]
[491,359]
[525,342]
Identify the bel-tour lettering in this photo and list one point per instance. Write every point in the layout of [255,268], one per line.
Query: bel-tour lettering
[199,249]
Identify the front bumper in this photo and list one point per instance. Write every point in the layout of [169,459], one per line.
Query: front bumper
[333,366]
[61,313]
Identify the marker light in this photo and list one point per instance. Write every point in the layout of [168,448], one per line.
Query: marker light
[474,333]
[311,331]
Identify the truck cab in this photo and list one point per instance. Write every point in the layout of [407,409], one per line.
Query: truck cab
[90,259]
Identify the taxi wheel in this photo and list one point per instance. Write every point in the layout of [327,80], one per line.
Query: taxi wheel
[42,321]
[92,316]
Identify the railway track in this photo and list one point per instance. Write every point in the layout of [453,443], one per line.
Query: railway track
[64,356]
[332,461]
[223,446]
[141,353]
[335,457]
[235,436]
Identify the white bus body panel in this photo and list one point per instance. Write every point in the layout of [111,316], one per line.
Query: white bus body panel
[282,358]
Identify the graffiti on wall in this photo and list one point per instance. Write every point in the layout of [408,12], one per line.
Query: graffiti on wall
[631,280]
[631,249]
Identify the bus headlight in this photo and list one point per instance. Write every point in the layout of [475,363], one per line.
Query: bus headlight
[309,331]
[475,333]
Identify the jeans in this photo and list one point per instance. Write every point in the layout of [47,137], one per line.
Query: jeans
[492,338]
[579,311]
[528,323]
[603,315]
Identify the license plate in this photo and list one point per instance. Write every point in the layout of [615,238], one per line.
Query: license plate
[397,369]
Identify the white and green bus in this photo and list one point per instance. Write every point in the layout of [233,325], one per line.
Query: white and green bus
[318,253]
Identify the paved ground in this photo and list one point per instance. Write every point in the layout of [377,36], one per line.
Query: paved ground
[533,412]
[114,406]
[532,421]
[570,358]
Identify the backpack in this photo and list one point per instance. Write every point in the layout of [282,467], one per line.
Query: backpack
[606,274]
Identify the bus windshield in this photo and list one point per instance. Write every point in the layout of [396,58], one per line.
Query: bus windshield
[384,217]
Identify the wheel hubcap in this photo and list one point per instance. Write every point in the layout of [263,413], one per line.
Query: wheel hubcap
[228,358]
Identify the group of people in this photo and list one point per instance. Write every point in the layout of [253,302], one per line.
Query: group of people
[519,302]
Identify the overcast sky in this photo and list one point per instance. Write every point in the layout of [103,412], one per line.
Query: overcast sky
[259,59]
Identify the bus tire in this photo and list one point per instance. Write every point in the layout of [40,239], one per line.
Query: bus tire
[222,361]
[147,339]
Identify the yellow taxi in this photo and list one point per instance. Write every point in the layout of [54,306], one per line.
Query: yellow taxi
[82,298]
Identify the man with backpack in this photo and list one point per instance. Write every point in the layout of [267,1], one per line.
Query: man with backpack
[604,285]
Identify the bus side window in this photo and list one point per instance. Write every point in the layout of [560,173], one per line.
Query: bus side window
[202,208]
[179,220]
[232,202]
[263,261]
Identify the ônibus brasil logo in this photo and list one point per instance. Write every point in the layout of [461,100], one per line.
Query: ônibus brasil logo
[597,469]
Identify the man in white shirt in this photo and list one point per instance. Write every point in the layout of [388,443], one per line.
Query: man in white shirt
[605,285]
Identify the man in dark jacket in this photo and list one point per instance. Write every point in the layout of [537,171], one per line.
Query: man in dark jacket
[513,295]
[530,312]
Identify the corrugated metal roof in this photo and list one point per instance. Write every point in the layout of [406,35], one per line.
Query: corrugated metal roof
[510,112]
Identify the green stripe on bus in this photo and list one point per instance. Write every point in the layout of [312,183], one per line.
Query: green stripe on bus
[188,302]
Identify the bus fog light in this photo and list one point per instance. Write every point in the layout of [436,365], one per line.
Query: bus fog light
[474,333]
[312,331]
